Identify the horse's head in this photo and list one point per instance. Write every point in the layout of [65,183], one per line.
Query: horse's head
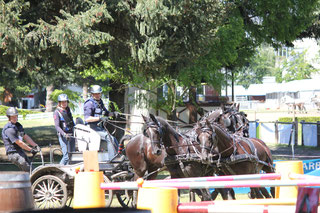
[154,132]
[206,136]
[234,121]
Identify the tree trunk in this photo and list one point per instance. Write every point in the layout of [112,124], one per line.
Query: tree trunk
[117,95]
[49,103]
[85,91]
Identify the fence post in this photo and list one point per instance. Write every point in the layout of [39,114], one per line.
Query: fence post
[295,131]
[276,131]
[257,128]
[318,133]
[302,140]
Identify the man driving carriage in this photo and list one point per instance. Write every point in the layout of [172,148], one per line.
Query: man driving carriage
[95,112]
[13,136]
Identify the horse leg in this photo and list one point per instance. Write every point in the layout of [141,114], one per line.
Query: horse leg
[153,173]
[226,194]
[264,192]
[205,195]
[255,193]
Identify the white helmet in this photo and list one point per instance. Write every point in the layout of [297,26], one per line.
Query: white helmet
[95,89]
[11,111]
[63,97]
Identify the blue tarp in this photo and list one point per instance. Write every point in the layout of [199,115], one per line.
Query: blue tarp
[253,129]
[284,133]
[267,132]
[310,134]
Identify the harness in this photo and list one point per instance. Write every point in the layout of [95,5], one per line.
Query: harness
[65,121]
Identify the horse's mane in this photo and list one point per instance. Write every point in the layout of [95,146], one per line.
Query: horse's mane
[211,116]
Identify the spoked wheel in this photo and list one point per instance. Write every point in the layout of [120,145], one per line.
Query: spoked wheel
[49,192]
[126,198]
[108,193]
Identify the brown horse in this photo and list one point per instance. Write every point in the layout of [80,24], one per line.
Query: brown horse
[251,155]
[144,160]
[178,144]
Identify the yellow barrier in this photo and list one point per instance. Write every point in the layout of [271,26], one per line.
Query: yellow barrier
[158,200]
[87,192]
[284,168]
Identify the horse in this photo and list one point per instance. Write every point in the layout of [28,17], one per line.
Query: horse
[144,160]
[230,118]
[252,154]
[293,104]
[177,144]
[316,101]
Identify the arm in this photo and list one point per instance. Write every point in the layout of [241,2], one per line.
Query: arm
[14,138]
[57,123]
[88,112]
[29,140]
[92,119]
[23,145]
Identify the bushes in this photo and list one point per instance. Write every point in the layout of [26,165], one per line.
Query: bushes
[306,119]
[22,112]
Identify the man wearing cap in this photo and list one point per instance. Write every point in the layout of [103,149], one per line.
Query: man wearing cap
[64,124]
[13,136]
[95,112]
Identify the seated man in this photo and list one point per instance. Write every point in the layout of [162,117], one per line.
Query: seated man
[94,112]
[13,138]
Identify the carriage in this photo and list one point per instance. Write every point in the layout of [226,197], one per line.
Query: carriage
[53,184]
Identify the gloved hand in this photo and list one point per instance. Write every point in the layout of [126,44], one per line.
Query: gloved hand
[68,136]
[34,150]
[38,148]
[103,119]
[115,114]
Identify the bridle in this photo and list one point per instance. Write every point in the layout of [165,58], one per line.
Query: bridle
[213,143]
[157,128]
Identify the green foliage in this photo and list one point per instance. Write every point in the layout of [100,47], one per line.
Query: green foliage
[295,68]
[22,112]
[73,97]
[262,63]
[306,119]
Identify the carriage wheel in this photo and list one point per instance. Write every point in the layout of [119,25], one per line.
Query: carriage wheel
[49,192]
[127,198]
[108,193]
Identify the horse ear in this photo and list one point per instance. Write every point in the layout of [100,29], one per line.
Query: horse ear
[144,118]
[238,107]
[208,124]
[223,107]
[153,118]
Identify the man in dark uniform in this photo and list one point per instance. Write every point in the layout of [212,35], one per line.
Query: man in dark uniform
[95,112]
[13,136]
[64,124]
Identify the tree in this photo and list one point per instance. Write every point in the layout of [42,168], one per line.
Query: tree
[156,39]
[260,65]
[295,68]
